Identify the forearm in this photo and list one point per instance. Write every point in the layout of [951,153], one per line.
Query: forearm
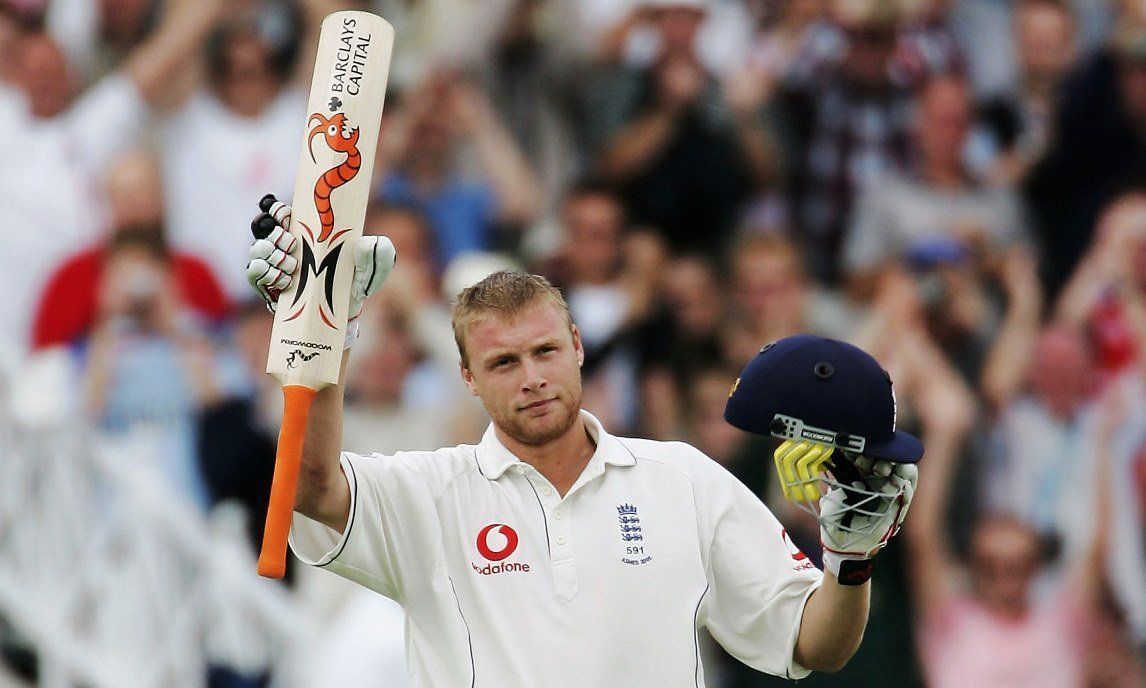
[759,149]
[635,145]
[179,36]
[510,174]
[323,494]
[832,625]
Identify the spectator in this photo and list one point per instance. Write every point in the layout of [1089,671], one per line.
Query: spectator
[774,297]
[683,339]
[671,144]
[1107,294]
[395,400]
[1099,152]
[148,369]
[67,308]
[608,276]
[421,156]
[97,35]
[236,140]
[1019,120]
[831,152]
[937,211]
[927,44]
[1037,467]
[53,135]
[782,34]
[983,623]
[237,431]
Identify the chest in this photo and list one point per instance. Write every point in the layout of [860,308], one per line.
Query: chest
[626,542]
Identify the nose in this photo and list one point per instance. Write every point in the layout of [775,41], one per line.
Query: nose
[534,379]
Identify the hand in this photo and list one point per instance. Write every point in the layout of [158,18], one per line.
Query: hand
[680,84]
[861,512]
[272,265]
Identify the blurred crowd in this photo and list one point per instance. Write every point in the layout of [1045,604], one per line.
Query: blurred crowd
[957,186]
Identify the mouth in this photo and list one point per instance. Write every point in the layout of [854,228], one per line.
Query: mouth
[540,404]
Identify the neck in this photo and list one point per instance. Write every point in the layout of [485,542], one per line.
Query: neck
[560,460]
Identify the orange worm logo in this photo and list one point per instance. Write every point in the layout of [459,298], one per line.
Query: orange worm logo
[342,138]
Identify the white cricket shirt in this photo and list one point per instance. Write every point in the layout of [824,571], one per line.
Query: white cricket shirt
[505,583]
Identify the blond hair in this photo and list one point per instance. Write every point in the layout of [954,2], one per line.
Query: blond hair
[506,294]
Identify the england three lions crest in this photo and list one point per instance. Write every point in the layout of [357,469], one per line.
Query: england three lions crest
[632,535]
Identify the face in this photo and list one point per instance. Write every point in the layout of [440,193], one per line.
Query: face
[678,28]
[1004,562]
[135,192]
[944,117]
[1045,38]
[248,83]
[593,227]
[870,50]
[527,372]
[1062,371]
[1132,85]
[43,76]
[693,294]
[769,287]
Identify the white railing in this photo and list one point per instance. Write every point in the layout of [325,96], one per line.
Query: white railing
[116,580]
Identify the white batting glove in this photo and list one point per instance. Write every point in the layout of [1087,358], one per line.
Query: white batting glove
[274,261]
[864,508]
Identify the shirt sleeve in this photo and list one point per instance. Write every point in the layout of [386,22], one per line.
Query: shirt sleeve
[388,538]
[108,119]
[759,582]
[868,240]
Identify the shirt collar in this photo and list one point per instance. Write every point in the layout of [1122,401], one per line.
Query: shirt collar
[493,458]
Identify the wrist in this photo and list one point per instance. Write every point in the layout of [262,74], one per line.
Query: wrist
[351,334]
[849,569]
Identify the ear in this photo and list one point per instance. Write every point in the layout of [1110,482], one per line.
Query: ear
[468,378]
[578,346]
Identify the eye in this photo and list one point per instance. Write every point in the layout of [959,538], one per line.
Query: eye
[332,130]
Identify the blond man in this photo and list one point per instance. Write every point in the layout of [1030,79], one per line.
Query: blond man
[553,553]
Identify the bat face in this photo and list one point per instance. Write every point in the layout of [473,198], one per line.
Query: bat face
[331,191]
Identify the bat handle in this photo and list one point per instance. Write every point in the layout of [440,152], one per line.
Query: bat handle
[288,459]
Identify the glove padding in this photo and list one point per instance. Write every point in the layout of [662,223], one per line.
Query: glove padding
[864,510]
[866,502]
[273,261]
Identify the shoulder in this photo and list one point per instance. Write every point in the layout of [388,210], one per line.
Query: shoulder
[436,468]
[678,457]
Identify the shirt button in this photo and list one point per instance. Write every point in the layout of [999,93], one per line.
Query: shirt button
[559,515]
[561,541]
[548,492]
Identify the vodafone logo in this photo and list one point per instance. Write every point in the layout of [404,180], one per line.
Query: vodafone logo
[499,546]
[792,548]
[801,559]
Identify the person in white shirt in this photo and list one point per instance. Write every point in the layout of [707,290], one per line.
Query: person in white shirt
[58,145]
[553,553]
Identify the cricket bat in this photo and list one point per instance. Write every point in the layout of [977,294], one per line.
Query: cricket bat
[331,191]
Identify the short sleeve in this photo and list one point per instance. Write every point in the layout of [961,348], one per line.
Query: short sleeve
[107,120]
[385,544]
[759,583]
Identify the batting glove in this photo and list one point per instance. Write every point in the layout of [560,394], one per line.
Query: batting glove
[273,261]
[864,506]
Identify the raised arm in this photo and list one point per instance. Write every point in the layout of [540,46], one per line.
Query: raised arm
[500,157]
[946,409]
[323,493]
[1008,360]
[180,35]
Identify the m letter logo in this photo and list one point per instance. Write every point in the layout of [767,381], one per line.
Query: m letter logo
[497,548]
[329,266]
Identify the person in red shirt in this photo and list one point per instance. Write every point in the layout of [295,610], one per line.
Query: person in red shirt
[67,307]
